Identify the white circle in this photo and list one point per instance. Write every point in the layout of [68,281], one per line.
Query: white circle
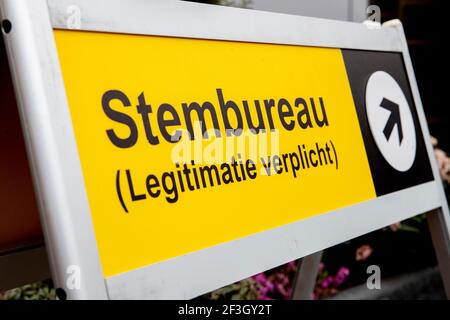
[399,154]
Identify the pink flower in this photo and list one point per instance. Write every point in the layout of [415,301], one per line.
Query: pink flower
[321,267]
[443,163]
[260,278]
[341,276]
[337,280]
[327,282]
[363,252]
[395,226]
[434,141]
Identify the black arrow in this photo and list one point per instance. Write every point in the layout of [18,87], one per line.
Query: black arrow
[394,119]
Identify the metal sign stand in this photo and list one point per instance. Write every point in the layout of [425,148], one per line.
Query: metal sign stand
[305,279]
[55,161]
[441,242]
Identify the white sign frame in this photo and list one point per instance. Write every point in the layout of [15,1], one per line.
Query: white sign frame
[52,150]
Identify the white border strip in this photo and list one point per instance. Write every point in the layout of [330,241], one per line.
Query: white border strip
[190,275]
[193,20]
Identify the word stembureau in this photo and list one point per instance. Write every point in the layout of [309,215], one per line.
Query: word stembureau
[299,113]
[217,118]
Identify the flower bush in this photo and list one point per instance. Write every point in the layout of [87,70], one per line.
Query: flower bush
[42,290]
[276,283]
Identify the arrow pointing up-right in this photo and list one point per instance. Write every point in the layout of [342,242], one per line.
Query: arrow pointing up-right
[394,119]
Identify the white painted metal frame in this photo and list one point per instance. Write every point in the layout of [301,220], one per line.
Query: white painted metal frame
[57,172]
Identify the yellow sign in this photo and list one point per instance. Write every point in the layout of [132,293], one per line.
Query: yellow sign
[186,144]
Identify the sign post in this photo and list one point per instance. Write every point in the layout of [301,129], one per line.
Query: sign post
[305,278]
[174,153]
